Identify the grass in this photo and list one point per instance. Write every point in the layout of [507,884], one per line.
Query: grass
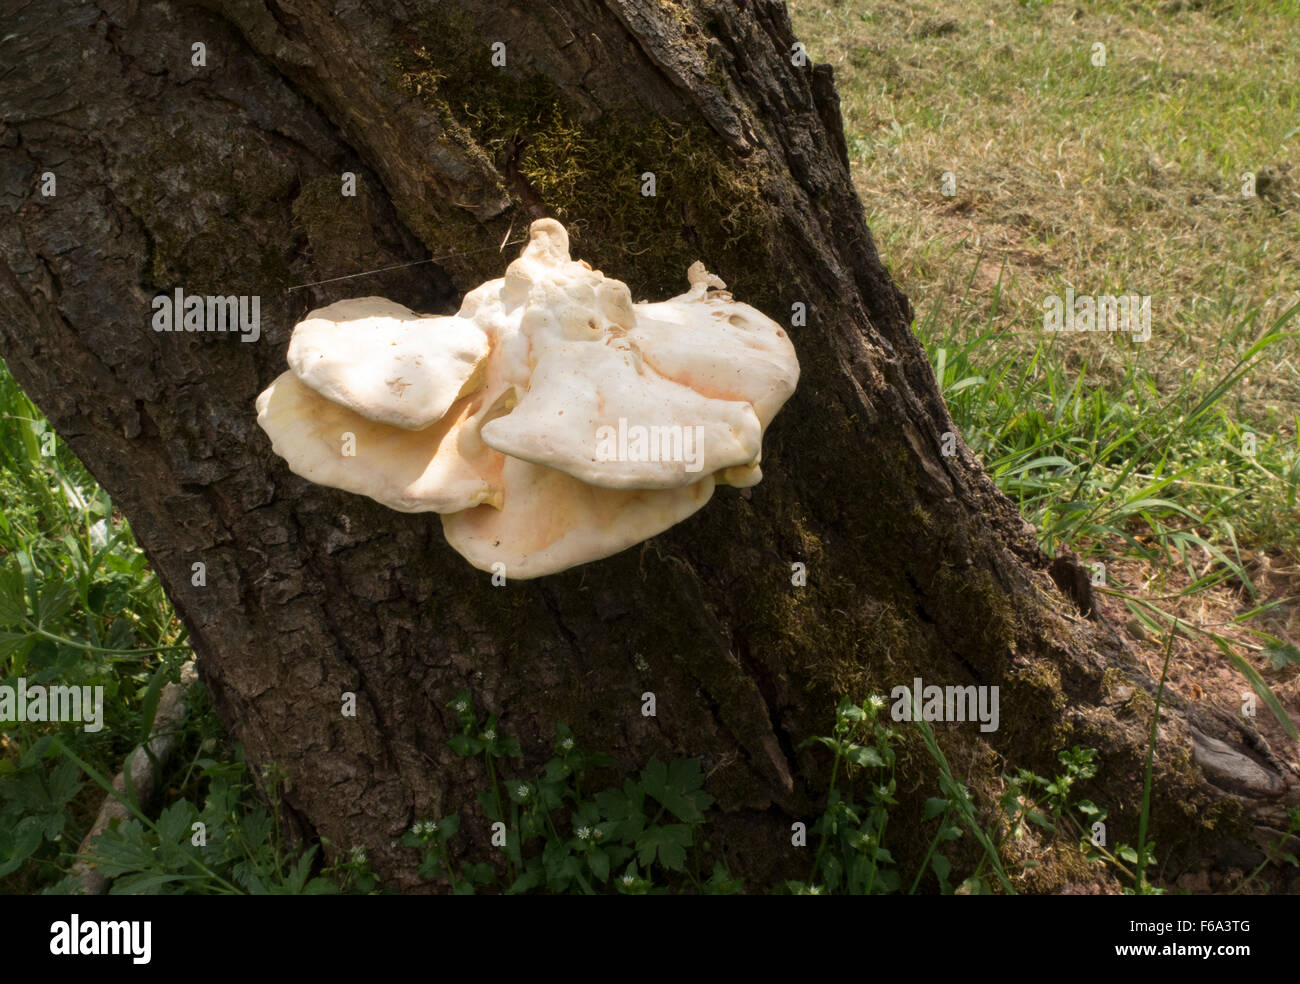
[79,606]
[1123,175]
[1174,463]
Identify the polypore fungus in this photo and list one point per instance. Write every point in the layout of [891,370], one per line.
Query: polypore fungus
[551,421]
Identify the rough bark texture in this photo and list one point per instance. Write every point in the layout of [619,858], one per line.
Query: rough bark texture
[225,179]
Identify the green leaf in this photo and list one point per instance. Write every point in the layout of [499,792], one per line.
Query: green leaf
[864,756]
[1282,655]
[478,874]
[119,564]
[830,743]
[587,815]
[677,788]
[464,745]
[721,882]
[123,849]
[934,806]
[488,804]
[831,871]
[148,883]
[174,823]
[16,642]
[64,783]
[26,839]
[942,868]
[532,876]
[13,596]
[255,827]
[626,806]
[149,705]
[598,862]
[55,601]
[430,867]
[668,843]
[300,872]
[556,770]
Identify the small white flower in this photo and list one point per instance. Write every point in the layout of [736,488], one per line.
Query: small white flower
[418,828]
[814,890]
[521,791]
[461,706]
[359,855]
[598,833]
[628,880]
[490,735]
[877,701]
[584,833]
[567,744]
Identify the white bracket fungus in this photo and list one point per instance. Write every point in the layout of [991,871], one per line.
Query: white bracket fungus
[551,421]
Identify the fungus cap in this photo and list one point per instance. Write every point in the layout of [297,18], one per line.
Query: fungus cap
[551,421]
[385,361]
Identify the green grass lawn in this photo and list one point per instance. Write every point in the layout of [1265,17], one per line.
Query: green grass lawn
[1172,461]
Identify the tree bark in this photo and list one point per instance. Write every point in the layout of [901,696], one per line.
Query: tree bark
[224,178]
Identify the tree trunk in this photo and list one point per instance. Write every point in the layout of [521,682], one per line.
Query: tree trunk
[224,178]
